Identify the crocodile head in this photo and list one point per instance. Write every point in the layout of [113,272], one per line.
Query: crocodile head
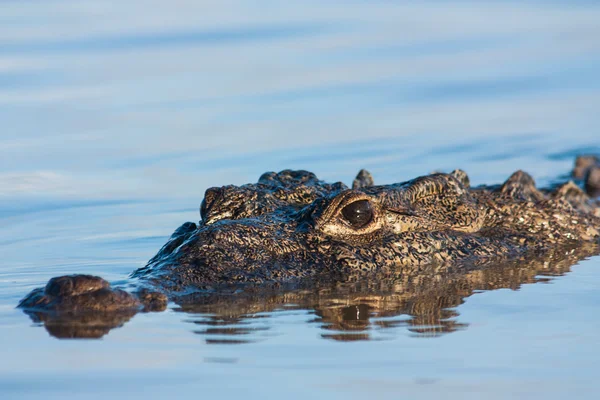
[292,227]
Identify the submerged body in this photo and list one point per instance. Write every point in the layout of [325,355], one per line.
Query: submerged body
[291,228]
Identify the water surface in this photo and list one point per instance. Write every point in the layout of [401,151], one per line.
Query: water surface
[117,116]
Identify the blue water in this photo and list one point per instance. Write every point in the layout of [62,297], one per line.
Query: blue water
[116,116]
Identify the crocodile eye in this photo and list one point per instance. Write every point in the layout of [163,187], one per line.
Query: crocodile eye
[358,214]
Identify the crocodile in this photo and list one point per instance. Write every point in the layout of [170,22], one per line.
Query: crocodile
[291,230]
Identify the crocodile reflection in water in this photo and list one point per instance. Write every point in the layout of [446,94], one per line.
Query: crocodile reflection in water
[425,299]
[422,300]
[292,232]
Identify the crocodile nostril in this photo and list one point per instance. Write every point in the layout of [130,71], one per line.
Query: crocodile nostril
[73,285]
[59,286]
[211,196]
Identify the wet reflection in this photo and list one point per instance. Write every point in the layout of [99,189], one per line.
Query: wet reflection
[422,300]
[87,326]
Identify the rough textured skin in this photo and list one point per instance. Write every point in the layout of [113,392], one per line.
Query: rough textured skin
[291,228]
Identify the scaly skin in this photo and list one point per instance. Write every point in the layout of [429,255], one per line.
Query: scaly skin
[290,228]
